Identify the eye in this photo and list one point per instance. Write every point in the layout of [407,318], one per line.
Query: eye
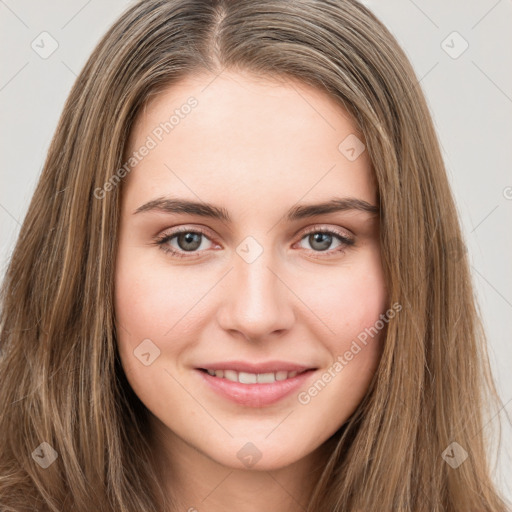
[185,240]
[321,239]
[182,241]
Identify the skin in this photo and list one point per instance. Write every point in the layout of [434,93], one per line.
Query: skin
[256,148]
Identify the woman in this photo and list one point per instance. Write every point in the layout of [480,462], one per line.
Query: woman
[236,286]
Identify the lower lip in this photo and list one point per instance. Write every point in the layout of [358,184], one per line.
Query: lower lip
[255,395]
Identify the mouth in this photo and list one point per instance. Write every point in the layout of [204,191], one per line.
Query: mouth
[253,378]
[254,388]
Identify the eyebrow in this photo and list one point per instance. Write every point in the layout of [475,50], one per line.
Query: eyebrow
[183,206]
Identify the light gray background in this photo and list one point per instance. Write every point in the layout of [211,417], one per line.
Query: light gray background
[470,98]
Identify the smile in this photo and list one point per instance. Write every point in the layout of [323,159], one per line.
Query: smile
[253,378]
[254,389]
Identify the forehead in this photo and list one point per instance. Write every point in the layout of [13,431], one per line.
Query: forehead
[271,139]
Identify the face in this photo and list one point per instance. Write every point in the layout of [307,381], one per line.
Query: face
[225,265]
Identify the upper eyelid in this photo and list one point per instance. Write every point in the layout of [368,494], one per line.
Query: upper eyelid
[320,227]
[205,231]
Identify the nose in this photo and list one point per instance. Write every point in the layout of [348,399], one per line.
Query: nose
[257,302]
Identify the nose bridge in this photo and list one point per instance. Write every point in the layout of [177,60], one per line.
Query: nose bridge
[256,285]
[257,302]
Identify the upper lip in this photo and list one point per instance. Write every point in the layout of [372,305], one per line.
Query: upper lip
[263,367]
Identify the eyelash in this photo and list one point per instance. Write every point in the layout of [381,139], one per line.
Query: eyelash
[162,240]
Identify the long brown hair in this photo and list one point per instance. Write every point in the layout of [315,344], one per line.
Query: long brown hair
[61,382]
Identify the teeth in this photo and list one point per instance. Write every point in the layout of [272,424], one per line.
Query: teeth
[252,378]
[265,378]
[230,375]
[247,378]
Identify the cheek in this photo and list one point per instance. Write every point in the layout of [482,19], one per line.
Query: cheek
[351,307]
[156,303]
[140,304]
[150,299]
[148,303]
[351,300]
[147,306]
